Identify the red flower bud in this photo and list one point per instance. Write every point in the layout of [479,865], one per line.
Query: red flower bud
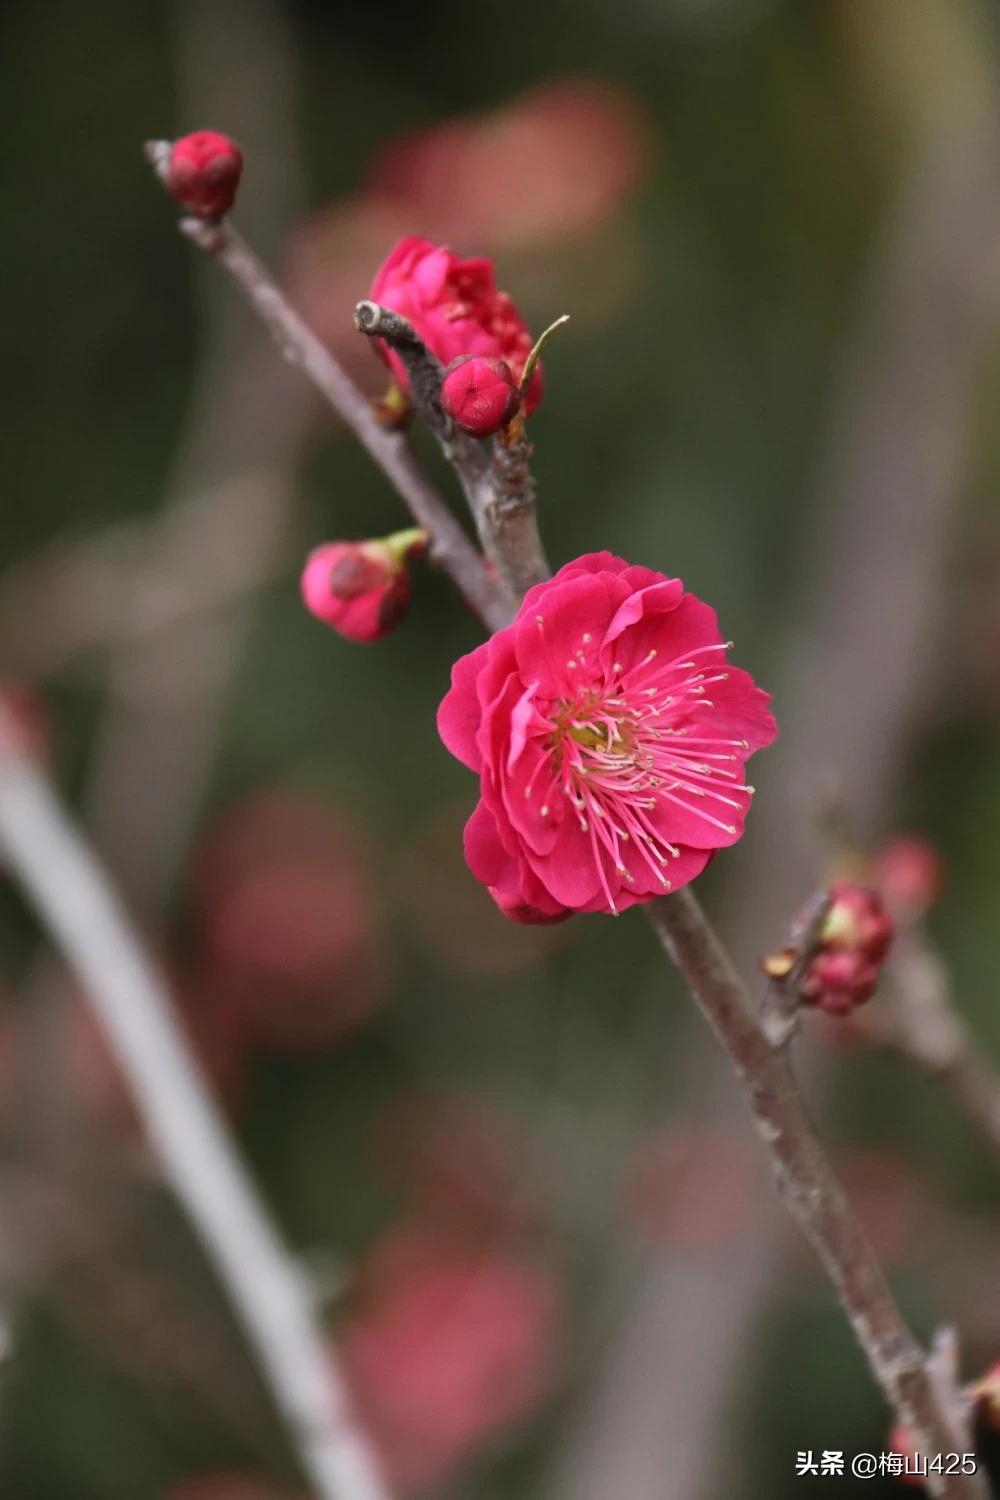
[857,919]
[840,980]
[853,943]
[361,589]
[479,394]
[910,874]
[203,172]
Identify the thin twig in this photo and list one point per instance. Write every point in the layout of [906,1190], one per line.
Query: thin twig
[782,1004]
[810,1190]
[72,895]
[449,544]
[501,495]
[920,1023]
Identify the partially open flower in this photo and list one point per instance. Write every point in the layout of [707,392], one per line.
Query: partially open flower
[853,943]
[609,734]
[203,172]
[479,394]
[455,307]
[361,589]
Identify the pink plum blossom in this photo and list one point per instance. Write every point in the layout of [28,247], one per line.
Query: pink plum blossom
[610,735]
[456,308]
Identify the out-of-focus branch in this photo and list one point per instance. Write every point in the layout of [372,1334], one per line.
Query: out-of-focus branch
[501,495]
[91,607]
[300,346]
[74,899]
[781,1007]
[920,1023]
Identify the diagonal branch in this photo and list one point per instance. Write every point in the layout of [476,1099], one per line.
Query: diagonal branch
[74,899]
[449,544]
[921,1024]
[811,1192]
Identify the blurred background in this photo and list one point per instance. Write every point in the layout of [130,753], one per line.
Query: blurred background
[516,1173]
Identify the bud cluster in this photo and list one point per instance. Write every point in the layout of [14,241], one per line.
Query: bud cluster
[846,955]
[854,941]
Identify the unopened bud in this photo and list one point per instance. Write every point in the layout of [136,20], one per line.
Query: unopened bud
[361,589]
[852,945]
[479,394]
[203,171]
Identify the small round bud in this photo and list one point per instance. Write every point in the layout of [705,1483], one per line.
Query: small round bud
[479,394]
[361,589]
[857,919]
[203,172]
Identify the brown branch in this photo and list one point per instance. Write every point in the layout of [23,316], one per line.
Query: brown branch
[805,1179]
[501,495]
[807,1182]
[782,1004]
[449,544]
[811,1192]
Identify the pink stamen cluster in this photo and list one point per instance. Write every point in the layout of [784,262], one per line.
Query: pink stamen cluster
[626,745]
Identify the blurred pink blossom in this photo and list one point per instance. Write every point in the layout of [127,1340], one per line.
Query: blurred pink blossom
[691,1187]
[286,920]
[449,1349]
[227,1487]
[551,165]
[459,1161]
[910,874]
[539,174]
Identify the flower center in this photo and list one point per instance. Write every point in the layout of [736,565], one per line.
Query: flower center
[623,752]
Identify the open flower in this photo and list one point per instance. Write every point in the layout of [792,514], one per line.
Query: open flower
[610,737]
[455,307]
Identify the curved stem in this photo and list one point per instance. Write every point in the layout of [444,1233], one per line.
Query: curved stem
[811,1192]
[72,895]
